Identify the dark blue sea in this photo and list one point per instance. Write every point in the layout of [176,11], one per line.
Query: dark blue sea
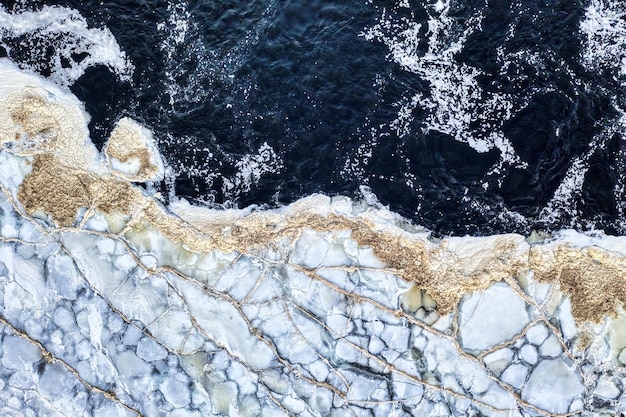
[468,117]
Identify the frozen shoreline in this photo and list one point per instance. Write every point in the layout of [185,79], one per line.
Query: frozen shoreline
[325,305]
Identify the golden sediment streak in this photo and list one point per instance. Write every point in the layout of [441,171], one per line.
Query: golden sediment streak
[67,176]
[126,144]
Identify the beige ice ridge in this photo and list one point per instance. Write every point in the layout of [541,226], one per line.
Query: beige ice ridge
[69,183]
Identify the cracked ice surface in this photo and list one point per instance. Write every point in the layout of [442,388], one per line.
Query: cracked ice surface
[110,317]
[306,328]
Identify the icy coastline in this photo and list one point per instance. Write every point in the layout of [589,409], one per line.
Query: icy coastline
[113,304]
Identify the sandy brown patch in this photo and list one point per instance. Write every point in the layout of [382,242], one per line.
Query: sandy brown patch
[595,279]
[126,144]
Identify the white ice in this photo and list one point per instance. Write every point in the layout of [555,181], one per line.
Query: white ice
[491,317]
[553,385]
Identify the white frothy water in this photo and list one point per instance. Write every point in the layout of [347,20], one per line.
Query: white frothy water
[457,105]
[456,101]
[66,33]
[250,168]
[192,64]
[191,67]
[603,49]
[604,31]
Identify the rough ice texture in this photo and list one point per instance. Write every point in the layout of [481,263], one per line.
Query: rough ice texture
[112,305]
[553,386]
[132,153]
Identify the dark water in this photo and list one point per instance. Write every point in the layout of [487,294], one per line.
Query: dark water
[304,80]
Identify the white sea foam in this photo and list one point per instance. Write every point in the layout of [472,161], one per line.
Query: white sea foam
[456,104]
[564,201]
[250,168]
[191,67]
[176,30]
[191,64]
[64,32]
[604,29]
[456,101]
